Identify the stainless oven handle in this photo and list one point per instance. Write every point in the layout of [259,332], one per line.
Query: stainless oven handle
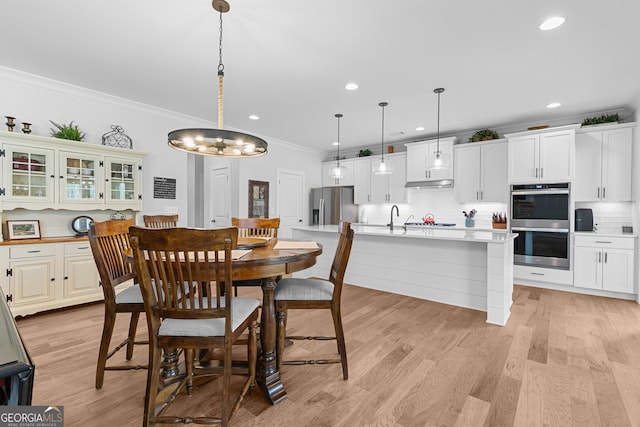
[533,192]
[546,230]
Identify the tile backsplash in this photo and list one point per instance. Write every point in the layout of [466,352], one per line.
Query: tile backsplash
[438,202]
[610,217]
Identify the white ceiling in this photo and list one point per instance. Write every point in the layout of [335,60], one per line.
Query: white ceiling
[288,60]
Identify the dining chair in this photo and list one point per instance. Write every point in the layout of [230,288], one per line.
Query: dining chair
[254,227]
[160,221]
[180,317]
[108,240]
[311,294]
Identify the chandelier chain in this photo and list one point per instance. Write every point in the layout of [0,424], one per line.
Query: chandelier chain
[220,64]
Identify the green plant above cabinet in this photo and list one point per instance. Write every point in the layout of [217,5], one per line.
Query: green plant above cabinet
[48,173]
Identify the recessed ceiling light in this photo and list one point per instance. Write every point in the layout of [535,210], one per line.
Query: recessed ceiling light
[254,117]
[551,23]
[554,105]
[419,128]
[351,86]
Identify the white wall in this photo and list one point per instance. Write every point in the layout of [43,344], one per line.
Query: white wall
[37,100]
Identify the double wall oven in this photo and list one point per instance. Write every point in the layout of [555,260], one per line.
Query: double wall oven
[540,216]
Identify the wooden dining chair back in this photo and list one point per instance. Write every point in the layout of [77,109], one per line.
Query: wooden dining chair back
[257,227]
[160,221]
[254,227]
[109,240]
[309,294]
[183,316]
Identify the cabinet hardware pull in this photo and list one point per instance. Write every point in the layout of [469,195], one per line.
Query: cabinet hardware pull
[599,257]
[602,241]
[538,274]
[541,172]
[83,247]
[481,194]
[604,192]
[536,172]
[33,251]
[53,279]
[605,257]
[598,192]
[66,277]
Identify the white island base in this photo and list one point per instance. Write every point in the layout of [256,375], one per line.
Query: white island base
[472,269]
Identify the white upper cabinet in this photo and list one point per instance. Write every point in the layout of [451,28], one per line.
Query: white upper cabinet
[542,156]
[420,154]
[603,164]
[347,180]
[48,173]
[362,181]
[481,172]
[372,188]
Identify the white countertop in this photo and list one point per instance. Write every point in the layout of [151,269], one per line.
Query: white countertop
[605,234]
[438,233]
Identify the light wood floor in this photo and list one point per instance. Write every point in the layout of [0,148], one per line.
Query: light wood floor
[563,360]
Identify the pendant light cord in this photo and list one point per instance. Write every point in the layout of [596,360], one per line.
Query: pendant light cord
[220,80]
[438,128]
[338,159]
[382,104]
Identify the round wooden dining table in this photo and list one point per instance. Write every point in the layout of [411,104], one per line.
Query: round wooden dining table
[267,263]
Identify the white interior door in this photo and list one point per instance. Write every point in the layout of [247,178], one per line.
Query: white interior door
[290,202]
[220,198]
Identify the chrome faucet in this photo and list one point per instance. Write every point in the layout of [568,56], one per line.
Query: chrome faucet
[404,226]
[397,214]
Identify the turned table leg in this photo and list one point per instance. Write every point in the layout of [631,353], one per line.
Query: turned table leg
[268,377]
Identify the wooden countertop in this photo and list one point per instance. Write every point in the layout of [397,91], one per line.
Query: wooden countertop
[60,239]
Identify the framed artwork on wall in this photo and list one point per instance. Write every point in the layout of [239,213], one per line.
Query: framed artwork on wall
[18,230]
[258,199]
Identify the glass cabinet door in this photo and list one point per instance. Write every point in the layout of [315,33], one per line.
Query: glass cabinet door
[122,182]
[81,176]
[29,175]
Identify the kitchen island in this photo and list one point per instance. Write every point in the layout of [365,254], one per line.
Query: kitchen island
[467,268]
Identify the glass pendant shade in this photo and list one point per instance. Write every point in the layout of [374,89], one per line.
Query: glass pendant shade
[218,142]
[382,166]
[338,171]
[439,160]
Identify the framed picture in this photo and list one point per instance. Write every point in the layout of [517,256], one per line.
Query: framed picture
[258,199]
[17,230]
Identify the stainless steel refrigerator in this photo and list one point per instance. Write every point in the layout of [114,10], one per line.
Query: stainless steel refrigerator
[329,205]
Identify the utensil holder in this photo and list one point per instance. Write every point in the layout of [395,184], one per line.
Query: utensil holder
[469,222]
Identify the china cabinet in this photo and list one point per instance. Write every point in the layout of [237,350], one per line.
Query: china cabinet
[48,173]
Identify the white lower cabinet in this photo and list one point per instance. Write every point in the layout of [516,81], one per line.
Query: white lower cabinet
[45,276]
[80,272]
[604,263]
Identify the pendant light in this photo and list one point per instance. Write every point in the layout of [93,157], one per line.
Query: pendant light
[218,142]
[382,166]
[338,170]
[440,160]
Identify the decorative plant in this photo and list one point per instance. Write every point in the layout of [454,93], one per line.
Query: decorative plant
[364,153]
[484,135]
[470,214]
[69,131]
[606,118]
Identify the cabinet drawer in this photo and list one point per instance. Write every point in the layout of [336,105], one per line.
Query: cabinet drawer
[31,251]
[77,248]
[604,242]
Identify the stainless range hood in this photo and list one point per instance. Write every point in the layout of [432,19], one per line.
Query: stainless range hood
[443,183]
